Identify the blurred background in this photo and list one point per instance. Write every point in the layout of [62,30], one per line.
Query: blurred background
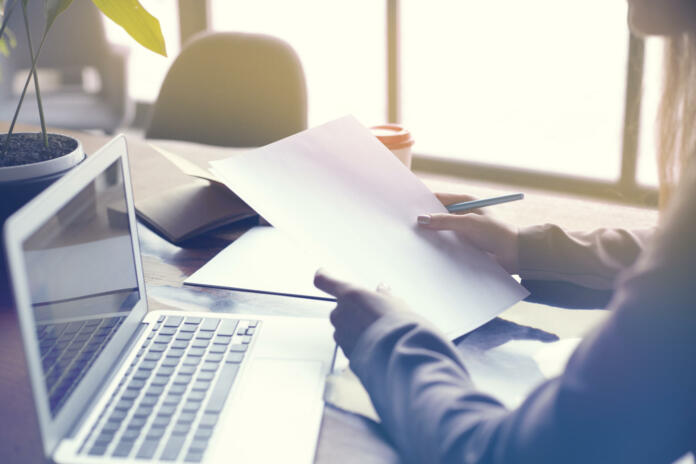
[555,95]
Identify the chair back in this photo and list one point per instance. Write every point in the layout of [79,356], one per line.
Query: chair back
[232,89]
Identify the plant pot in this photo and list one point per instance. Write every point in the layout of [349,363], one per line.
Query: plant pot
[21,183]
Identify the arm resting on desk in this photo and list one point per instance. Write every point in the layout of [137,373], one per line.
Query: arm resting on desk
[609,406]
[627,394]
[566,295]
[576,269]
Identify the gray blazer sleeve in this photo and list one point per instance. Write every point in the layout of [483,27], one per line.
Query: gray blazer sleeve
[589,259]
[576,269]
[627,394]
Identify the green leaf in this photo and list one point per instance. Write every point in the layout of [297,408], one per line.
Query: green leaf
[53,8]
[141,25]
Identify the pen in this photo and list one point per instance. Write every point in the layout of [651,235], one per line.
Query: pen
[469,205]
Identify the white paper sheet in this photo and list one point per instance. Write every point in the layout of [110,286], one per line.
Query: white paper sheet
[262,260]
[337,190]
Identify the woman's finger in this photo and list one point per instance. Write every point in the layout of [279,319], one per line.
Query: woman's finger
[330,284]
[455,222]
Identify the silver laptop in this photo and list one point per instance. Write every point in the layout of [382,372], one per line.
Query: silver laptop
[114,382]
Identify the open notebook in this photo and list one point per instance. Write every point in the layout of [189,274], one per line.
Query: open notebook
[170,194]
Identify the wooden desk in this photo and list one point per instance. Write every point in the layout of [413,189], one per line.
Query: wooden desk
[344,437]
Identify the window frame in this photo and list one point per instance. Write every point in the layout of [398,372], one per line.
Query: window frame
[625,190]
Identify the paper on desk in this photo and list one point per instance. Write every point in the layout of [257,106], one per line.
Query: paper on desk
[338,191]
[509,372]
[262,260]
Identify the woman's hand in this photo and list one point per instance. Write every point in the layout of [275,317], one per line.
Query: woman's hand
[480,229]
[356,308]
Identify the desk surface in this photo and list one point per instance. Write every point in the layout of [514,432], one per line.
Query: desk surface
[344,437]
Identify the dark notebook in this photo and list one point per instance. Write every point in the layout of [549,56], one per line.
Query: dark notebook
[172,200]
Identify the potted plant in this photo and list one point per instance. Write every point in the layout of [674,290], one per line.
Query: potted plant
[29,162]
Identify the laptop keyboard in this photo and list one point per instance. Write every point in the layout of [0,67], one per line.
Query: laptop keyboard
[172,394]
[68,350]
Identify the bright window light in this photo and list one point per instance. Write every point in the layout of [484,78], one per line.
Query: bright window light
[537,84]
[342,46]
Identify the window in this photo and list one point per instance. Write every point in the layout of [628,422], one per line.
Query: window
[535,85]
[341,46]
[531,92]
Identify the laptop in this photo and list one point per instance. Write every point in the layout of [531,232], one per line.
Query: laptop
[113,382]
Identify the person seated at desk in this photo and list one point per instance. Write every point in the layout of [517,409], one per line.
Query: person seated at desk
[628,393]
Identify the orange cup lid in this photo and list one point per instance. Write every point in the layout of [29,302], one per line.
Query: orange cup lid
[393,136]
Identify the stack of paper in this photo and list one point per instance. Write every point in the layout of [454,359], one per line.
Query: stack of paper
[336,190]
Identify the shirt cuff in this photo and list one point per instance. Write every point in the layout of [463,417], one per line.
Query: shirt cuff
[533,255]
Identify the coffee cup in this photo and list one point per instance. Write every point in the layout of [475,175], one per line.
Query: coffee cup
[397,139]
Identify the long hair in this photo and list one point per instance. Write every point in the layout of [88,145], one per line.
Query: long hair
[677,112]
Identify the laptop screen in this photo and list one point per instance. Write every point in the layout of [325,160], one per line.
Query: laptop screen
[82,279]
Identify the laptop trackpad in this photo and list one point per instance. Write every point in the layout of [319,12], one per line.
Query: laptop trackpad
[280,401]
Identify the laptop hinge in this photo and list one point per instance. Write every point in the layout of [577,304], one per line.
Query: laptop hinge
[107,381]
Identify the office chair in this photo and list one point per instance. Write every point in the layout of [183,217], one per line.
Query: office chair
[76,41]
[231,89]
